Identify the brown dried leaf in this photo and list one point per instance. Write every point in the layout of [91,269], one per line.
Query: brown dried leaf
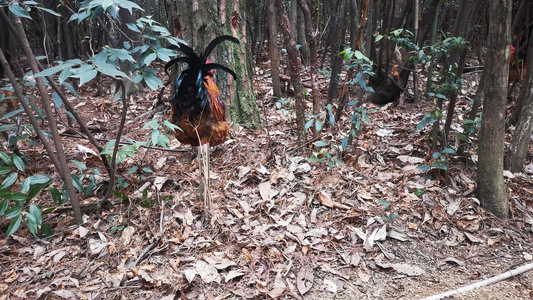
[327,202]
[304,279]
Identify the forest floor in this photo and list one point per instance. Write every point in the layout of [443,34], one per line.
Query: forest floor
[373,227]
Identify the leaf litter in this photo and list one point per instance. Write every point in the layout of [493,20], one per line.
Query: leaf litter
[282,227]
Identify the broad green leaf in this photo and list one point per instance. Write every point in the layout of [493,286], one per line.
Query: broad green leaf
[4,170]
[36,212]
[36,189]
[14,225]
[154,124]
[308,124]
[424,168]
[3,207]
[56,195]
[18,11]
[57,100]
[318,126]
[12,113]
[31,222]
[448,151]
[153,82]
[46,230]
[171,126]
[49,11]
[25,185]
[132,170]
[320,143]
[111,71]
[87,76]
[133,27]
[5,158]
[13,212]
[19,163]
[80,165]
[9,180]
[147,170]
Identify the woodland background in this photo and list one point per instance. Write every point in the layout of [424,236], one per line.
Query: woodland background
[378,149]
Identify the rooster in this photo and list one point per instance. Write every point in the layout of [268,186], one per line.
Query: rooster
[197,107]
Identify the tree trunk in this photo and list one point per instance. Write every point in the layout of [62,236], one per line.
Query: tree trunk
[492,190]
[273,46]
[244,109]
[313,54]
[294,69]
[202,21]
[337,37]
[524,128]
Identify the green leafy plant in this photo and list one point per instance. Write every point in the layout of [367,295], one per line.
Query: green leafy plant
[439,160]
[17,205]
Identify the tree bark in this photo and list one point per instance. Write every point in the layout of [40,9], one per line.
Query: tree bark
[337,37]
[273,47]
[294,69]
[522,136]
[313,54]
[492,190]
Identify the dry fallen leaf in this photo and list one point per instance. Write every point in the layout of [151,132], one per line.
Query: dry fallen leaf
[279,287]
[327,202]
[304,279]
[207,272]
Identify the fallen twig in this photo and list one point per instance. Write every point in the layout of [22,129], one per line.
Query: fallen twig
[483,283]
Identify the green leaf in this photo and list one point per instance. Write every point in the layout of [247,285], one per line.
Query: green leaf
[4,170]
[7,194]
[56,195]
[424,168]
[133,27]
[12,113]
[318,125]
[25,185]
[132,170]
[3,207]
[9,180]
[57,100]
[36,211]
[462,137]
[18,11]
[153,82]
[14,225]
[171,126]
[5,158]
[87,76]
[448,151]
[49,11]
[19,163]
[154,124]
[110,70]
[31,223]
[46,230]
[419,192]
[79,164]
[320,143]
[13,212]
[36,189]
[308,124]
[147,170]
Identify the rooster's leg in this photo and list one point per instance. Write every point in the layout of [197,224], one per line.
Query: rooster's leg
[204,165]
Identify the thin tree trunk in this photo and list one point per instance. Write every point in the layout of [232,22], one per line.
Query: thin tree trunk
[337,38]
[294,69]
[492,190]
[273,46]
[524,127]
[313,55]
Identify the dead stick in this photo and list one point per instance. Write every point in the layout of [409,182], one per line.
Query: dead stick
[483,283]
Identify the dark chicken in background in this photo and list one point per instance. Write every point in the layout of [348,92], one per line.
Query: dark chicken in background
[197,107]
